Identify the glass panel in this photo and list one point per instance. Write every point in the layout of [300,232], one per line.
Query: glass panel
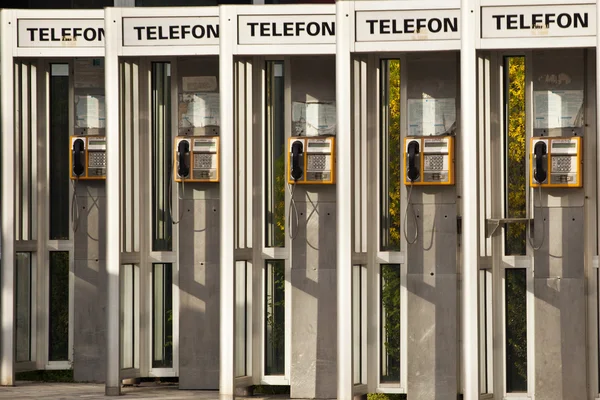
[275,163]
[391,153]
[275,318]
[127,315]
[162,227]
[240,317]
[357,322]
[162,316]
[515,154]
[59,152]
[516,330]
[58,349]
[483,385]
[23,307]
[390,323]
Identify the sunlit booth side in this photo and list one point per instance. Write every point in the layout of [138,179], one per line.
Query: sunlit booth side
[537,146]
[163,136]
[398,223]
[279,64]
[53,265]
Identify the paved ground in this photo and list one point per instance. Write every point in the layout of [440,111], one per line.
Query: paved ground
[91,391]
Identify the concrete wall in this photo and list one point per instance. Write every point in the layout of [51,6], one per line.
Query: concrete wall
[89,338]
[313,275]
[199,270]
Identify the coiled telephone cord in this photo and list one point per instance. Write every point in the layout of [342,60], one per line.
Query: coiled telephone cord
[170,197]
[74,206]
[292,208]
[529,238]
[416,235]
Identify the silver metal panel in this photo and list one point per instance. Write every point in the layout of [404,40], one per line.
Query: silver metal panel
[562,254]
[435,249]
[199,295]
[89,340]
[560,332]
[432,336]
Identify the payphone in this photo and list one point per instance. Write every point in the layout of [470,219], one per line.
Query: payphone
[87,161]
[311,160]
[88,157]
[196,159]
[428,160]
[554,162]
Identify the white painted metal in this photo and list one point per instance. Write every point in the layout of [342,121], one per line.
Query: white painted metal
[468,173]
[113,200]
[227,194]
[344,208]
[7,249]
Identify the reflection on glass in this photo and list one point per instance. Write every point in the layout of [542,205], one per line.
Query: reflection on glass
[162,227]
[241,298]
[515,154]
[275,318]
[275,163]
[357,322]
[390,323]
[59,152]
[127,315]
[58,349]
[483,356]
[23,307]
[516,330]
[391,153]
[162,316]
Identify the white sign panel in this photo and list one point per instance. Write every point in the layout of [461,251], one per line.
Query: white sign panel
[60,32]
[286,29]
[381,26]
[535,21]
[174,31]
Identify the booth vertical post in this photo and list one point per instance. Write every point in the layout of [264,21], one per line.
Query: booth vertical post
[343,194]
[113,204]
[468,175]
[227,260]
[7,277]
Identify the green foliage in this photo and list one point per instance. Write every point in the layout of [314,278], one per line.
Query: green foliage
[393,158]
[271,389]
[516,158]
[279,201]
[385,396]
[516,330]
[59,306]
[63,375]
[390,302]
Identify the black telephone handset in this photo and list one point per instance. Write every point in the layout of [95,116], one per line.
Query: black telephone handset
[541,162]
[78,157]
[297,151]
[412,171]
[183,158]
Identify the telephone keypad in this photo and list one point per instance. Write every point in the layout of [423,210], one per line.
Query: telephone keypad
[203,161]
[317,162]
[434,162]
[561,164]
[96,159]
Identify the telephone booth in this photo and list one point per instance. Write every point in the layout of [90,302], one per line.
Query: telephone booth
[163,130]
[537,179]
[53,285]
[399,236]
[278,64]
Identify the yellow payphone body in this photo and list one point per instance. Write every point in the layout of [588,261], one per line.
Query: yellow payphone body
[88,157]
[196,159]
[311,160]
[555,162]
[429,160]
